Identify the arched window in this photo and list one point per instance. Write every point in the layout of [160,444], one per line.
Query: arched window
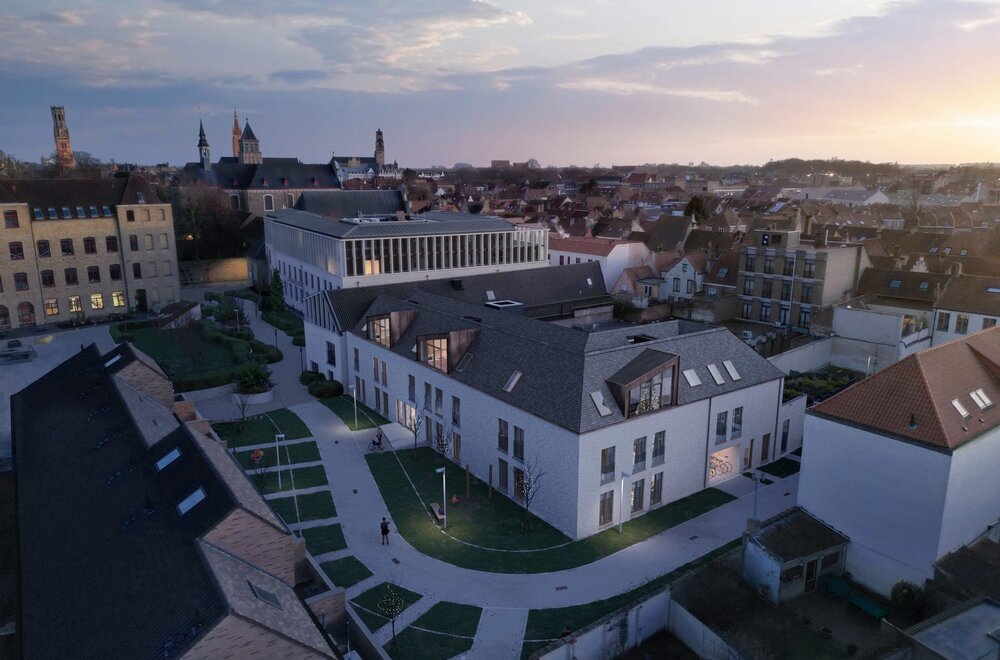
[268,202]
[4,318]
[26,313]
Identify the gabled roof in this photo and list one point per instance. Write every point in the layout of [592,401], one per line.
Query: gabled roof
[903,284]
[974,295]
[668,233]
[272,174]
[912,399]
[57,193]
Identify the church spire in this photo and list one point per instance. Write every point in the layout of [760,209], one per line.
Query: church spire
[203,152]
[236,135]
[202,140]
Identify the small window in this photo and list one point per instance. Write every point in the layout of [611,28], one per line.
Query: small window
[172,456]
[38,214]
[960,408]
[140,197]
[979,396]
[895,284]
[692,377]
[130,216]
[107,211]
[81,212]
[264,595]
[924,286]
[721,274]
[93,212]
[10,220]
[67,212]
[731,369]
[53,213]
[190,501]
[512,381]
[716,374]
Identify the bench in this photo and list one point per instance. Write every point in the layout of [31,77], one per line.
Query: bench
[837,587]
[436,509]
[868,606]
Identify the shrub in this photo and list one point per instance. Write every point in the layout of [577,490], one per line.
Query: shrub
[326,389]
[310,377]
[299,340]
[253,378]
[209,295]
[908,599]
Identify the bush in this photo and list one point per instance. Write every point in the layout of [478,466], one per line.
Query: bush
[253,378]
[908,599]
[310,377]
[268,352]
[209,295]
[326,389]
[299,340]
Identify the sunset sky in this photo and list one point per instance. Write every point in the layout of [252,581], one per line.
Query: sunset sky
[592,81]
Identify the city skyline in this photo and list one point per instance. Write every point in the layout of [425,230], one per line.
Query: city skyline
[464,80]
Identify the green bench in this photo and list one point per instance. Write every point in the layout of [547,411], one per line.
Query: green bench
[837,587]
[868,606]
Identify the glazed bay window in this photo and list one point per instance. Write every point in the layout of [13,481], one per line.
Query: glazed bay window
[737,423]
[650,395]
[656,489]
[607,465]
[519,443]
[434,352]
[502,441]
[659,445]
[720,427]
[638,495]
[378,330]
[607,508]
[639,454]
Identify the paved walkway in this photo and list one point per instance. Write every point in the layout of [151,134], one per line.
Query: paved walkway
[360,509]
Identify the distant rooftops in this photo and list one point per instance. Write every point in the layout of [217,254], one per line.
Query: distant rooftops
[384,225]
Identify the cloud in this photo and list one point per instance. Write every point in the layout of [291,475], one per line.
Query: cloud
[70,18]
[842,70]
[298,75]
[579,36]
[625,88]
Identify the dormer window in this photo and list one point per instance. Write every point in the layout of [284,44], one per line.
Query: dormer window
[378,330]
[646,384]
[649,395]
[433,351]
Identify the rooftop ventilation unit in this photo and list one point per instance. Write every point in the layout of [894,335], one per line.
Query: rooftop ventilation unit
[506,305]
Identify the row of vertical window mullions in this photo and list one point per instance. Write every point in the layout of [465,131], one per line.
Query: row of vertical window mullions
[403,255]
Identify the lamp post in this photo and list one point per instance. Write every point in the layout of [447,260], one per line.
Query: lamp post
[354,395]
[621,503]
[276,338]
[278,437]
[444,496]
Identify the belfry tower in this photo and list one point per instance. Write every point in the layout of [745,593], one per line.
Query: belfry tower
[379,148]
[64,152]
[204,155]
[236,135]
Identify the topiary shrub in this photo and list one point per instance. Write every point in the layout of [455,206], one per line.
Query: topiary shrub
[310,377]
[326,389]
[252,378]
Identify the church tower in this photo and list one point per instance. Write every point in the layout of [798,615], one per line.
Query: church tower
[379,148]
[203,152]
[236,135]
[249,147]
[64,153]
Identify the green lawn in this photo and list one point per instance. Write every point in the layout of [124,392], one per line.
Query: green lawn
[324,539]
[302,452]
[548,624]
[451,618]
[369,604]
[306,477]
[314,506]
[781,468]
[413,644]
[346,572]
[343,407]
[261,429]
[285,321]
[497,524]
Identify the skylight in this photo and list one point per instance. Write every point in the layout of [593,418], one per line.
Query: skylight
[142,198]
[963,253]
[265,595]
[723,272]
[590,282]
[112,361]
[924,286]
[979,396]
[716,375]
[692,377]
[53,214]
[993,289]
[490,295]
[598,399]
[38,214]
[934,250]
[81,212]
[960,408]
[190,501]
[463,363]
[172,456]
[731,369]
[512,381]
[895,284]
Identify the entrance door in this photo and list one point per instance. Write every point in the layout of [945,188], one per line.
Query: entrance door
[140,300]
[810,584]
[784,437]
[765,446]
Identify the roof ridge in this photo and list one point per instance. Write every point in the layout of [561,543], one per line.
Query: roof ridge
[939,421]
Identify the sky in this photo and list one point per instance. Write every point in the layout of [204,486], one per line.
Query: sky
[584,82]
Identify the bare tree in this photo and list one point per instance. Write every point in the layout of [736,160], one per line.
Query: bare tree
[418,423]
[392,605]
[443,439]
[242,408]
[529,489]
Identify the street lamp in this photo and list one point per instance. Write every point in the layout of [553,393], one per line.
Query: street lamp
[444,496]
[354,395]
[621,503]
[278,437]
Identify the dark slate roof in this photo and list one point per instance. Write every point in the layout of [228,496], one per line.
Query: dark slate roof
[795,533]
[427,224]
[561,366]
[248,133]
[973,569]
[108,567]
[668,233]
[57,193]
[545,292]
[351,203]
[278,173]
[909,285]
[971,294]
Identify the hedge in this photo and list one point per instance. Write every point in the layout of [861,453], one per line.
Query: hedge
[121,332]
[326,389]
[299,340]
[310,377]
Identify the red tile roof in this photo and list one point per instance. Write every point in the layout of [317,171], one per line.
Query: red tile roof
[584,245]
[912,399]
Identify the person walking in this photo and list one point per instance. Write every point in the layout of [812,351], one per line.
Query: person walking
[385,531]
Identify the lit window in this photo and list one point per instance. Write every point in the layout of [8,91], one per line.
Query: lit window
[118,298]
[97,301]
[74,304]
[378,330]
[960,408]
[434,353]
[172,456]
[51,307]
[190,501]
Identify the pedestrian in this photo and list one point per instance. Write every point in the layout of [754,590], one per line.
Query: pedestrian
[385,532]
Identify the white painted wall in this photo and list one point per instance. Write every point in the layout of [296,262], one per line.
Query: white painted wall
[808,357]
[973,500]
[762,570]
[946,335]
[887,496]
